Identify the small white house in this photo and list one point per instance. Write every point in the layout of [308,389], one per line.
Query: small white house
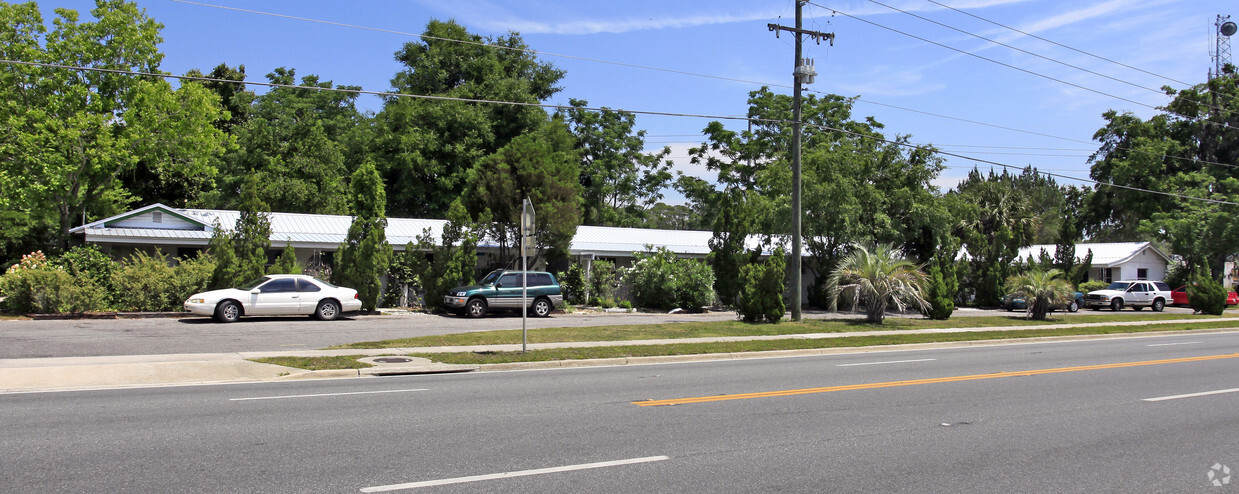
[1114,261]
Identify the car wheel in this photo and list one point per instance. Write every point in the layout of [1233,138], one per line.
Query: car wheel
[1116,304]
[541,307]
[476,308]
[1158,305]
[327,310]
[1073,306]
[227,311]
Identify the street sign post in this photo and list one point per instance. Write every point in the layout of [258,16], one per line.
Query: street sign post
[527,229]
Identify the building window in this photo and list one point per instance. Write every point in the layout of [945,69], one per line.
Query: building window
[156,217]
[1142,273]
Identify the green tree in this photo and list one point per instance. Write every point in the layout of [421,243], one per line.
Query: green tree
[618,179]
[365,254]
[727,247]
[1040,289]
[72,136]
[540,166]
[425,148]
[294,140]
[761,295]
[286,263]
[877,277]
[1206,296]
[452,261]
[1188,150]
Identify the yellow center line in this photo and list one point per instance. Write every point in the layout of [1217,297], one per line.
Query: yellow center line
[913,382]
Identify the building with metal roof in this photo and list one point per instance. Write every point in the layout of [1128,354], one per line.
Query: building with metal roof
[1113,261]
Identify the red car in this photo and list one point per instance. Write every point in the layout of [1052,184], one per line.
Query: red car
[1179,296]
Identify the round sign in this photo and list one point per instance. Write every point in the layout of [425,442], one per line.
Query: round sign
[1228,28]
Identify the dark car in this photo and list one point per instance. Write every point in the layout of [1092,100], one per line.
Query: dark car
[1012,302]
[501,290]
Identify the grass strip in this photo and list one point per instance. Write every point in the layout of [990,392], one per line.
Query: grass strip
[316,363]
[738,328]
[791,344]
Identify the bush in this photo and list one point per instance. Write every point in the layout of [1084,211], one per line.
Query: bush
[572,283]
[87,261]
[941,301]
[761,290]
[146,283]
[49,290]
[1206,296]
[1091,286]
[662,281]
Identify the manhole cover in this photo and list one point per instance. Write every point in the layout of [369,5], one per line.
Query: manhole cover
[393,360]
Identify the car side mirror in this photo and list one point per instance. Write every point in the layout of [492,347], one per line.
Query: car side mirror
[498,285]
[255,291]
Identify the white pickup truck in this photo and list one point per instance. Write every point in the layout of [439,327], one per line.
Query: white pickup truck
[1137,293]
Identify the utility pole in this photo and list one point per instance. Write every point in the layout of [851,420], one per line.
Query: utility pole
[804,73]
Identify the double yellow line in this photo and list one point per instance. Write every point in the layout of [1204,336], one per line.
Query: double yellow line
[914,382]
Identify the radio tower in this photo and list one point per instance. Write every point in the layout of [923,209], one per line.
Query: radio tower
[1221,51]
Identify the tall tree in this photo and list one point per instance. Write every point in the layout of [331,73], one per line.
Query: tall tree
[293,139]
[618,178]
[252,236]
[1189,150]
[540,166]
[425,148]
[365,254]
[71,135]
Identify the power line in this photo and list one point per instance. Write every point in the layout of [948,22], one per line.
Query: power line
[1055,43]
[1021,69]
[643,112]
[647,67]
[1021,50]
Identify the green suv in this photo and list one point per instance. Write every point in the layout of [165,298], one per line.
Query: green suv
[502,290]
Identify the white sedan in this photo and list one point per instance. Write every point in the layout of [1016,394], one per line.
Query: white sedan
[276,294]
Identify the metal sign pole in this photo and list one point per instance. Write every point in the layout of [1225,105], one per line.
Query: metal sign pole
[527,221]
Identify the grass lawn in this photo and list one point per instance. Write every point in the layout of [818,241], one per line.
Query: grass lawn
[739,328]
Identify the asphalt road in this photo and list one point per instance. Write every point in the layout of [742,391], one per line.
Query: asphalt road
[1078,424]
[106,337]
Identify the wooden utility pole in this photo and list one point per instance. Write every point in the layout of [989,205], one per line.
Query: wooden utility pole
[803,74]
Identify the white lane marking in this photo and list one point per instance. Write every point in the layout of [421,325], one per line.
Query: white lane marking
[888,362]
[1173,344]
[522,473]
[1193,395]
[327,394]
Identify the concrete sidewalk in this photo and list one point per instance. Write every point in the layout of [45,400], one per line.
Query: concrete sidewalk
[79,373]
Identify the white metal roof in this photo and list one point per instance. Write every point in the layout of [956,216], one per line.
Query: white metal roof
[326,231]
[1105,255]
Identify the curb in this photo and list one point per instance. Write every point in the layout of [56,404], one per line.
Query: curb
[708,357]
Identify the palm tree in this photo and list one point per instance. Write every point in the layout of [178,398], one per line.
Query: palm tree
[878,277]
[1040,289]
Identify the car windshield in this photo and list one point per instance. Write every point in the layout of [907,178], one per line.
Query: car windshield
[491,278]
[253,284]
[1118,286]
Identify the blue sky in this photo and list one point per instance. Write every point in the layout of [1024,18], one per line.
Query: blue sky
[729,39]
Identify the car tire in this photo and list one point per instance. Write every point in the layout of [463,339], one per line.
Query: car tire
[1073,306]
[1158,305]
[227,311]
[1116,304]
[475,308]
[541,307]
[327,310]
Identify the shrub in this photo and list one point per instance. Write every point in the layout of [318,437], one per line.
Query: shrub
[45,289]
[572,283]
[941,301]
[147,283]
[1206,295]
[87,261]
[761,290]
[660,280]
[1090,286]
